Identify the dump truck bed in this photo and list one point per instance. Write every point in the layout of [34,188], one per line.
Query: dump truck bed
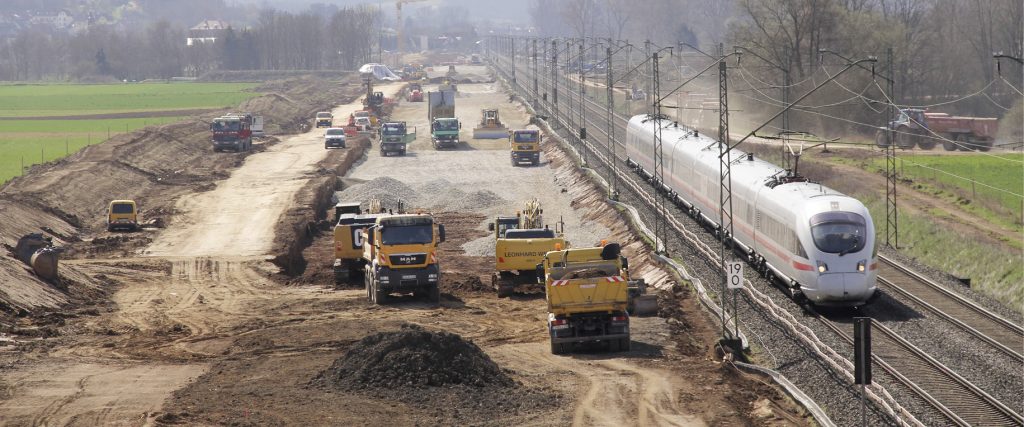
[599,294]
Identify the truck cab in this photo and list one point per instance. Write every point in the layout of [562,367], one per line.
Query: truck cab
[232,131]
[524,146]
[122,214]
[444,132]
[401,257]
[324,119]
[587,292]
[394,138]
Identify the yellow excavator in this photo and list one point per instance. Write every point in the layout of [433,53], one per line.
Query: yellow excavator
[520,244]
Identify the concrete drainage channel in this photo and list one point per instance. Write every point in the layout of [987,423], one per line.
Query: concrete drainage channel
[705,297]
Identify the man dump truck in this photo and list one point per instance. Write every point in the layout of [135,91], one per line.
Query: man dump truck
[400,256]
[490,126]
[395,137]
[444,127]
[232,131]
[520,244]
[415,93]
[918,127]
[588,295]
[524,146]
[324,119]
[122,214]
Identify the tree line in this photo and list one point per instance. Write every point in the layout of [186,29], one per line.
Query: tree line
[942,49]
[343,40]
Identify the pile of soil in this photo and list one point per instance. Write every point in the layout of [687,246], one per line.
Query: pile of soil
[457,282]
[412,358]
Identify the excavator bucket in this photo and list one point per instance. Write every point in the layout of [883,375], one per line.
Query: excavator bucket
[640,302]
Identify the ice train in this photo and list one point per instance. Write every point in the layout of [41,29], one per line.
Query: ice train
[813,239]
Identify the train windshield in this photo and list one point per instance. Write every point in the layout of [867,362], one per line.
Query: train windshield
[839,232]
[407,234]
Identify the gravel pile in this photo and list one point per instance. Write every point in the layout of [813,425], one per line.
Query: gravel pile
[413,357]
[438,195]
[483,246]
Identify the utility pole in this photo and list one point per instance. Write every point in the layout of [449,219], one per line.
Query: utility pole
[725,229]
[786,83]
[647,54]
[609,119]
[535,95]
[659,161]
[512,60]
[891,214]
[554,79]
[583,124]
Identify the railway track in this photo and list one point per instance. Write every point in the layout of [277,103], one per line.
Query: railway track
[1000,333]
[960,401]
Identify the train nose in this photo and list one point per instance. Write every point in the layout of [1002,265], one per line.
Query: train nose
[840,288]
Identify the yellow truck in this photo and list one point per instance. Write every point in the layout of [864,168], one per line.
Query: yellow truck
[324,119]
[400,256]
[524,146]
[122,214]
[520,244]
[587,292]
[350,224]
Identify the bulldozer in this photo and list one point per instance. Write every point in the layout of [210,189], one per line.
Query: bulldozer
[520,244]
[490,126]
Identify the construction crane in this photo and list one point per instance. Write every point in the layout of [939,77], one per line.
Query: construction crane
[401,24]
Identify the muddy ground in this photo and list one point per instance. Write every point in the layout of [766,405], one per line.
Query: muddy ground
[204,329]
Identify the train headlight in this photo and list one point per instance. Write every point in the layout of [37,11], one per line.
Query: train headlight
[862,265]
[822,267]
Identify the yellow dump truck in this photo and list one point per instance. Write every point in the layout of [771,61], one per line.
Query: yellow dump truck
[400,253]
[122,214]
[587,291]
[524,146]
[520,244]
[349,235]
[324,119]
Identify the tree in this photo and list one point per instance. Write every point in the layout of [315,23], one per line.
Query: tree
[102,66]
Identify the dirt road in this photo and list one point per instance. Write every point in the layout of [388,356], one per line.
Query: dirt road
[203,330]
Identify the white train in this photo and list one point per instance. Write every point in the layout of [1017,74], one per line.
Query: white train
[819,242]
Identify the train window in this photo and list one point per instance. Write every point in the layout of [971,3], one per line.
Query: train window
[839,232]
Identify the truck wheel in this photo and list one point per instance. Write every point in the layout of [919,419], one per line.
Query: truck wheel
[379,295]
[341,276]
[881,139]
[560,348]
[925,142]
[984,146]
[624,344]
[949,144]
[905,138]
[435,295]
[536,162]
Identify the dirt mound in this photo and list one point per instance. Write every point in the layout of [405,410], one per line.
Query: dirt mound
[455,282]
[413,357]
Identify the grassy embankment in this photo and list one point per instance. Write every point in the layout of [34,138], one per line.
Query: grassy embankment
[137,105]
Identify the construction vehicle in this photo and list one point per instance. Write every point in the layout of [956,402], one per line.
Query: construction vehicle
[395,137]
[918,127]
[122,214]
[520,244]
[588,297]
[490,126]
[334,138]
[448,85]
[37,251]
[350,224]
[400,256]
[524,146]
[373,102]
[324,119]
[444,127]
[415,93]
[232,131]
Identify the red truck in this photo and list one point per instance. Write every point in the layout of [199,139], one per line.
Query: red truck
[234,131]
[918,127]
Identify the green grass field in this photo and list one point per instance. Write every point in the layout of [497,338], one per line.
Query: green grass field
[995,178]
[67,99]
[33,141]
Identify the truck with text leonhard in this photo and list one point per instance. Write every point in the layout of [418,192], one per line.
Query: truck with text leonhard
[521,241]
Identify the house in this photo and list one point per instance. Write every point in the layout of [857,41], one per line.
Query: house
[61,20]
[207,31]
